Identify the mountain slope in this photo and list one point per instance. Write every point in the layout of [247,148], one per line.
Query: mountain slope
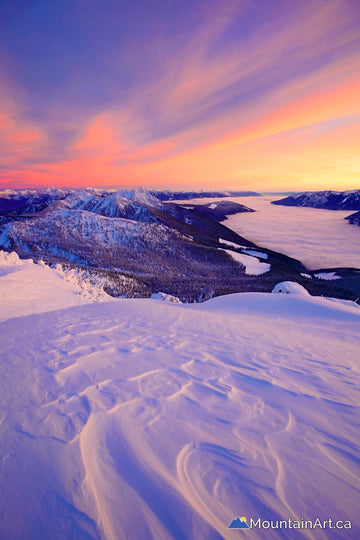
[170,248]
[166,259]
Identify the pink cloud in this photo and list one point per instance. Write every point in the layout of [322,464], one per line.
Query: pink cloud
[19,137]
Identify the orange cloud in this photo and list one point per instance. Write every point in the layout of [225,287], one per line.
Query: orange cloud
[99,136]
[322,106]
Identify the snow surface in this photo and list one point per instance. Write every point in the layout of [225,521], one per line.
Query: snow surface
[166,297]
[27,288]
[329,276]
[253,266]
[255,253]
[231,244]
[290,287]
[142,419]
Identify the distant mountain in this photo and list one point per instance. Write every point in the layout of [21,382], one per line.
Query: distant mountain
[354,219]
[219,210]
[330,200]
[186,195]
[17,202]
[121,204]
[34,193]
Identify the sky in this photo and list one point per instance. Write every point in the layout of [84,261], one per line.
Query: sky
[201,94]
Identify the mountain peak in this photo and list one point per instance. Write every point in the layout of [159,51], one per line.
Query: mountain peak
[140,195]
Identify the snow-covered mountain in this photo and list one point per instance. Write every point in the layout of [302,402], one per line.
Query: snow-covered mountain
[120,204]
[126,204]
[331,200]
[170,195]
[85,237]
[155,420]
[17,202]
[54,193]
[111,203]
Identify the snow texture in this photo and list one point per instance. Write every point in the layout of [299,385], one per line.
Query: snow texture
[142,419]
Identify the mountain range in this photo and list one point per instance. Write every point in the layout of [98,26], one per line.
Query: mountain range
[137,237]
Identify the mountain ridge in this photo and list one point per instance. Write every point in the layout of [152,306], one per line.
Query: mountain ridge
[330,200]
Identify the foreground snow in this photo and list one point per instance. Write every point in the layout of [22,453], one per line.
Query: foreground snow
[145,419]
[27,288]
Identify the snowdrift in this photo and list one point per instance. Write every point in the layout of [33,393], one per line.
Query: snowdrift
[27,288]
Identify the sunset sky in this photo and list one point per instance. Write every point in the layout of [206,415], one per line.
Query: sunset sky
[225,94]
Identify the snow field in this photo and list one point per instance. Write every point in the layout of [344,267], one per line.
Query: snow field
[252,265]
[327,275]
[148,419]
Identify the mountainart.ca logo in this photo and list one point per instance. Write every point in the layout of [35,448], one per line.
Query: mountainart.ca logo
[240,523]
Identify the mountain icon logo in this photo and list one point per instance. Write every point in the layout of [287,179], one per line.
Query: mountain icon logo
[239,523]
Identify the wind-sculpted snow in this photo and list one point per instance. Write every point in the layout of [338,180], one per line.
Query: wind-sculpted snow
[144,419]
